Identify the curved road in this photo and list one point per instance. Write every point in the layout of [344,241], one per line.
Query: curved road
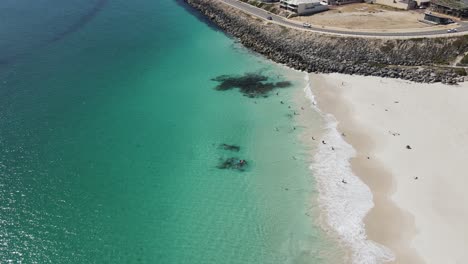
[255,11]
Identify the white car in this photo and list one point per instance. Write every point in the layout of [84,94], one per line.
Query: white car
[306,25]
[449,31]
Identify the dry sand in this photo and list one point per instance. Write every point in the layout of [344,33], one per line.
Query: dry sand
[421,205]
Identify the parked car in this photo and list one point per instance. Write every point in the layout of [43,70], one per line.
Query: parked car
[306,25]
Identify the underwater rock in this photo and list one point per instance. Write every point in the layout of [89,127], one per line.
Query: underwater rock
[251,85]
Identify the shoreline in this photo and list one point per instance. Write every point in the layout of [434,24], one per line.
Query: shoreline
[344,199]
[330,101]
[417,212]
[312,121]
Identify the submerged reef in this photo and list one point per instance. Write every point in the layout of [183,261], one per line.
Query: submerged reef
[250,84]
[230,147]
[233,164]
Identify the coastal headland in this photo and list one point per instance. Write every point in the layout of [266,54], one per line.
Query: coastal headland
[416,59]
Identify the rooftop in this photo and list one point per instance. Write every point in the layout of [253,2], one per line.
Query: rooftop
[453,4]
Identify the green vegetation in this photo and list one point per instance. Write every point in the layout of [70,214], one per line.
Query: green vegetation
[441,61]
[284,30]
[461,42]
[268,7]
[460,71]
[387,47]
[418,39]
[464,61]
[443,69]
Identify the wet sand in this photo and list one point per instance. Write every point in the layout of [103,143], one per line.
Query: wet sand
[411,141]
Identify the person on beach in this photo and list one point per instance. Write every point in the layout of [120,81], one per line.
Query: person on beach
[242,163]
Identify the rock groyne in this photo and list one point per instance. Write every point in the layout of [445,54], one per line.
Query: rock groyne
[415,59]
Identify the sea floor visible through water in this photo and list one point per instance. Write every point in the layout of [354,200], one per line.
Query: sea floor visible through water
[111,140]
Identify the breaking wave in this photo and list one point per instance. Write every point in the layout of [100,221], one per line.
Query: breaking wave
[343,197]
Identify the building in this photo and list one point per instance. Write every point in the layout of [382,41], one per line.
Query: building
[437,19]
[456,8]
[422,3]
[303,7]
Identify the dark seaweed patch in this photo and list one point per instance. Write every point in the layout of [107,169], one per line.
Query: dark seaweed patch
[250,84]
[233,164]
[230,147]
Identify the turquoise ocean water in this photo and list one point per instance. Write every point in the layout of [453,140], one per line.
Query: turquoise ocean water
[109,139]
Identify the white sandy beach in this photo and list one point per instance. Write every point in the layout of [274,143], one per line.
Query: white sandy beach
[420,194]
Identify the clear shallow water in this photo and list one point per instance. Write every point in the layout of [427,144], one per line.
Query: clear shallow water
[109,133]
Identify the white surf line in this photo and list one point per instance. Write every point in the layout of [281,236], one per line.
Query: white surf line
[343,197]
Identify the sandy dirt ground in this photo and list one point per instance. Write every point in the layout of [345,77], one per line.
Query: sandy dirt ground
[364,16]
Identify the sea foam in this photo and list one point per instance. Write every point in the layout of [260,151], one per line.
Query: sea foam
[345,204]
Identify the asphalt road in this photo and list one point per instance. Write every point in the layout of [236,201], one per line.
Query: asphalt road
[463,28]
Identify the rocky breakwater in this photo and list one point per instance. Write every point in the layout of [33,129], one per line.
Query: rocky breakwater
[416,59]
